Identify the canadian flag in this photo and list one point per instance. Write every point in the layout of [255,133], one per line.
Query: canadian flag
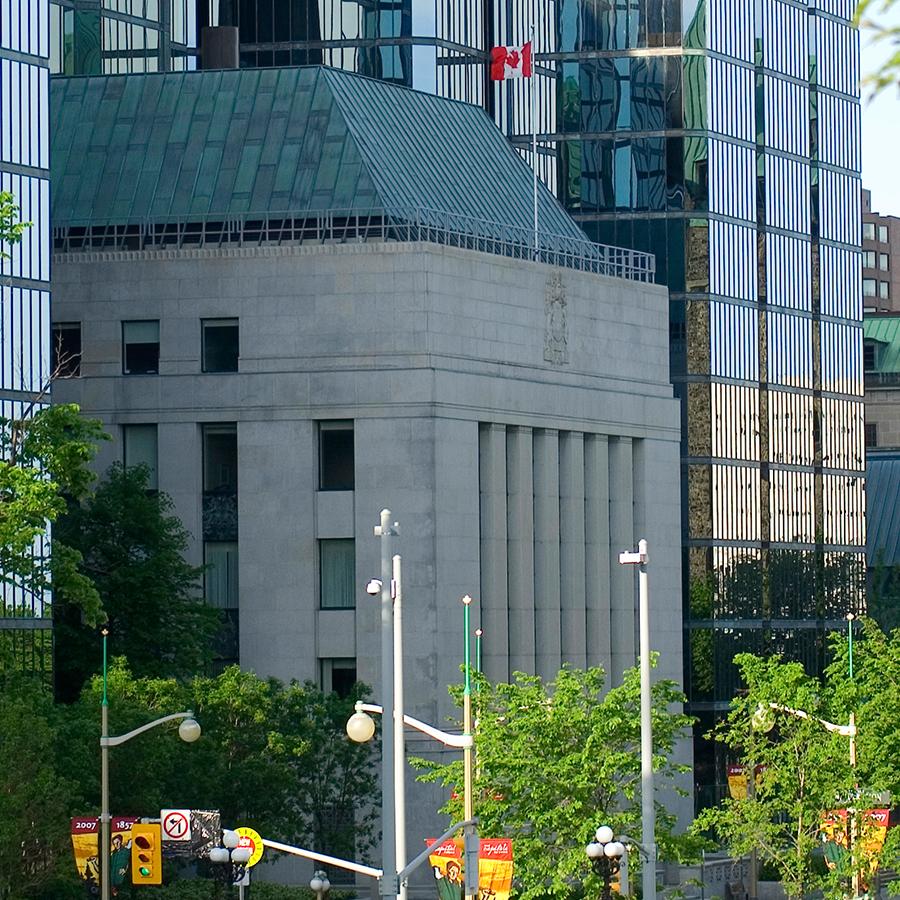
[511,62]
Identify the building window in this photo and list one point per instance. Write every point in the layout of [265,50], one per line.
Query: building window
[140,347]
[141,448]
[868,287]
[871,434]
[868,231]
[220,345]
[338,675]
[870,355]
[66,358]
[220,471]
[337,573]
[884,290]
[882,234]
[220,578]
[868,259]
[336,456]
[884,262]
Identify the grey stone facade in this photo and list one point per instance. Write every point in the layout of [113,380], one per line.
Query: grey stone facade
[516,418]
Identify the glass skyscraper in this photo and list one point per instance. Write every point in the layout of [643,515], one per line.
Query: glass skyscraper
[25,281]
[122,36]
[724,136]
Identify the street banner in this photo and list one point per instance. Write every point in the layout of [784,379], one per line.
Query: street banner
[85,841]
[737,781]
[495,868]
[871,829]
[120,848]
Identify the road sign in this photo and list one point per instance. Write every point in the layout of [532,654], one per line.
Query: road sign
[250,838]
[176,824]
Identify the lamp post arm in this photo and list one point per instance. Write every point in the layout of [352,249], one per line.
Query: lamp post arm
[122,738]
[843,730]
[415,863]
[631,842]
[460,741]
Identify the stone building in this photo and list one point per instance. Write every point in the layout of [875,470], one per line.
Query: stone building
[302,296]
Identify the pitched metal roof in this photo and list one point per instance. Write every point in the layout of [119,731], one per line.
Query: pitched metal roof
[883,507]
[253,142]
[884,328]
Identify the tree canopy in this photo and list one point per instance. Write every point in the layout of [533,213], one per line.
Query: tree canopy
[132,549]
[555,760]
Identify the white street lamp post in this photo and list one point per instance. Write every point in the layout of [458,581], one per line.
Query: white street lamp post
[188,731]
[648,810]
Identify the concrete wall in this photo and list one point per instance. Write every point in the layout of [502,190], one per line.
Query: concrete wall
[517,420]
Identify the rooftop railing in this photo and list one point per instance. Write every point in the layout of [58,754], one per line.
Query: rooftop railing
[358,226]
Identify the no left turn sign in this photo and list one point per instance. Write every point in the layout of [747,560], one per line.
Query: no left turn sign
[176,824]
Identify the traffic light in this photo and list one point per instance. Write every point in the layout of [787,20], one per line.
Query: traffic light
[146,854]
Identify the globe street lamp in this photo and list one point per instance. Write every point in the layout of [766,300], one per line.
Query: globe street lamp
[230,860]
[188,730]
[605,855]
[319,884]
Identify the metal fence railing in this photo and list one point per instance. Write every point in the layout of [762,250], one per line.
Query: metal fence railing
[356,226]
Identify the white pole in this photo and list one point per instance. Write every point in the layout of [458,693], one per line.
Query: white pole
[534,157]
[399,743]
[648,810]
[388,886]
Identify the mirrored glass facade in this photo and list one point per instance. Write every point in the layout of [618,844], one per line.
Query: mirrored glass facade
[122,36]
[723,136]
[25,637]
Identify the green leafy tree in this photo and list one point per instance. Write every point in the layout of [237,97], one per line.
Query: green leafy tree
[557,759]
[12,228]
[132,549]
[272,756]
[804,772]
[875,15]
[35,800]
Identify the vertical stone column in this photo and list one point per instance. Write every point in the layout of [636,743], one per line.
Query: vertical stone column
[520,544]
[548,653]
[493,513]
[622,598]
[597,550]
[572,509]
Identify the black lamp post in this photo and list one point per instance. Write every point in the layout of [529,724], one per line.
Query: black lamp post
[605,855]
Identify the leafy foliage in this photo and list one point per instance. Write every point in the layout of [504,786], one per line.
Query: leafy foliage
[34,798]
[869,15]
[132,550]
[11,226]
[805,769]
[556,760]
[44,459]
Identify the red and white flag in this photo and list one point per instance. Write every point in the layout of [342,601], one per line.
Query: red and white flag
[511,62]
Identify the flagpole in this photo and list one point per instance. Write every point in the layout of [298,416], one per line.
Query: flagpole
[534,157]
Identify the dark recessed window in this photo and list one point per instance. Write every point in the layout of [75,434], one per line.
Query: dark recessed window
[66,349]
[869,356]
[337,674]
[220,472]
[336,456]
[871,434]
[140,347]
[220,345]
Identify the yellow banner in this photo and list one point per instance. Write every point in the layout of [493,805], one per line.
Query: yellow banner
[495,869]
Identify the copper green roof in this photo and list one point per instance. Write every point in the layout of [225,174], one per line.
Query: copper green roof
[220,144]
[885,329]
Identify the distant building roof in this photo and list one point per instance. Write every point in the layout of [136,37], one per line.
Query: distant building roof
[883,507]
[256,144]
[885,329]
